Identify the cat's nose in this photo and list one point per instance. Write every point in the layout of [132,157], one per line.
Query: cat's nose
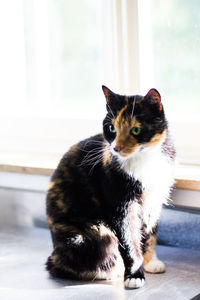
[118,148]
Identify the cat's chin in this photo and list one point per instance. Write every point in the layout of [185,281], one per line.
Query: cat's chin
[124,157]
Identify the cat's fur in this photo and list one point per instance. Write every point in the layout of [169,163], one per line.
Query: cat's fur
[105,196]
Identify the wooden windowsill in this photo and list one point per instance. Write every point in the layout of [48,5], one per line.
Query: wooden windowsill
[187,176]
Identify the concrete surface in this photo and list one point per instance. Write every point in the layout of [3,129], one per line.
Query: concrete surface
[23,252]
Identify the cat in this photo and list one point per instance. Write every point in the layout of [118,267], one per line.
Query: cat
[105,197]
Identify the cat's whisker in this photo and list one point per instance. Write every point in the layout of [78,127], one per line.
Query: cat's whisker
[108,122]
[133,107]
[111,110]
[82,149]
[89,160]
[92,142]
[88,153]
[121,245]
[109,118]
[86,143]
[105,124]
[93,155]
[96,154]
[93,160]
[95,151]
[96,141]
[96,163]
[99,147]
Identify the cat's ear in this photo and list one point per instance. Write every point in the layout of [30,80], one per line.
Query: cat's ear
[108,94]
[153,97]
[114,101]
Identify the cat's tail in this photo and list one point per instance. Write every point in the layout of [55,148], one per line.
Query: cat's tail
[87,256]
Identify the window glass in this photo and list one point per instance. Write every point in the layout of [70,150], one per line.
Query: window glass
[176,48]
[51,73]
[51,49]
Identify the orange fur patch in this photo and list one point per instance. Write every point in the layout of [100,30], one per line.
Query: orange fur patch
[124,139]
[135,123]
[147,256]
[119,119]
[51,185]
[106,157]
[49,222]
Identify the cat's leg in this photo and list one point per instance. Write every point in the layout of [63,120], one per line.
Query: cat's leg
[129,236]
[151,263]
[84,254]
[152,205]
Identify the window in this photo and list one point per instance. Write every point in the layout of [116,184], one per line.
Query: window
[50,73]
[176,69]
[56,54]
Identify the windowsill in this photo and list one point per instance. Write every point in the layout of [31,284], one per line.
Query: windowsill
[187,176]
[29,163]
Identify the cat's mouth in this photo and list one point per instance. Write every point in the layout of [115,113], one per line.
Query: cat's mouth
[124,153]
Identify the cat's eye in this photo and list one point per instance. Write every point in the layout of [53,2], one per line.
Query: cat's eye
[112,128]
[136,130]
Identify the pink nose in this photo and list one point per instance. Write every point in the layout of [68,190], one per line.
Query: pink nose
[118,148]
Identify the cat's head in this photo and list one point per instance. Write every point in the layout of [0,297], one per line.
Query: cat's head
[133,123]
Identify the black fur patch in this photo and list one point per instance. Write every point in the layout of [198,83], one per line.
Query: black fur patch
[138,274]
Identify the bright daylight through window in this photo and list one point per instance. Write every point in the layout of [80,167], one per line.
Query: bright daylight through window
[55,57]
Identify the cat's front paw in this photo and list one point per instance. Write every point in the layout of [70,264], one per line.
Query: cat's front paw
[135,281]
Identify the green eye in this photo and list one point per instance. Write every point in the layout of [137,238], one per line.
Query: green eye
[112,128]
[136,130]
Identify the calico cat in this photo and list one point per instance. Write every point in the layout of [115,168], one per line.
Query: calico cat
[105,196]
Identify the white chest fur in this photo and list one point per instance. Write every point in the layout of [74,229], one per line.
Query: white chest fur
[155,171]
